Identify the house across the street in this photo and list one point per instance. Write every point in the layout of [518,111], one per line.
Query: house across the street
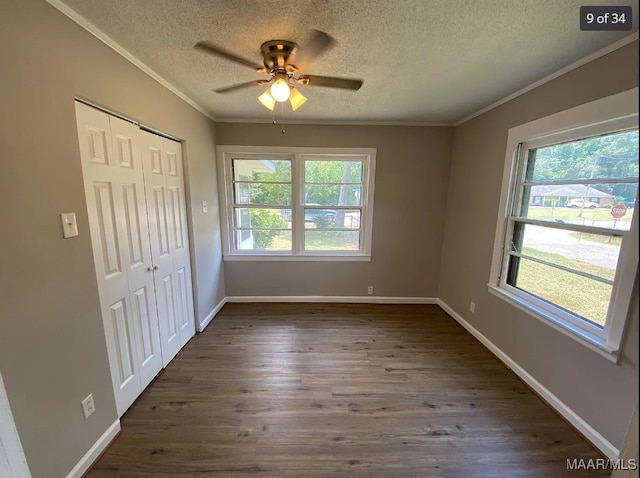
[560,195]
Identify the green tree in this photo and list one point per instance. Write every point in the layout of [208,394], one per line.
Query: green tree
[271,190]
[609,156]
[263,218]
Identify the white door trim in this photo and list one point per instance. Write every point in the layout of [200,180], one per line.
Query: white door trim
[12,460]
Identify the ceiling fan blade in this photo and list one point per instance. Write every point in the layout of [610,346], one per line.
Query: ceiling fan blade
[319,43]
[330,82]
[241,86]
[221,52]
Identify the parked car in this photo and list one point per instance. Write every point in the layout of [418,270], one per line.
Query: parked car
[310,215]
[583,203]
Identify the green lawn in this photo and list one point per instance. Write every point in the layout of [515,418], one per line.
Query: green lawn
[331,241]
[580,295]
[583,236]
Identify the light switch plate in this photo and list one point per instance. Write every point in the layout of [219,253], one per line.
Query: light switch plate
[69,225]
[205,208]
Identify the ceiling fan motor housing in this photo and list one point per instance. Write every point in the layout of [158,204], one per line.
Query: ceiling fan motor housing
[276,53]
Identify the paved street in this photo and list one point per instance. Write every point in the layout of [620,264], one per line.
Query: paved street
[569,244]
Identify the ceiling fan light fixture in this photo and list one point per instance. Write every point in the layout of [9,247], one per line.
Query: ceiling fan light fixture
[267,100]
[280,90]
[296,99]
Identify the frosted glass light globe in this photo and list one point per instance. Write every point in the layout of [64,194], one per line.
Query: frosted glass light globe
[280,90]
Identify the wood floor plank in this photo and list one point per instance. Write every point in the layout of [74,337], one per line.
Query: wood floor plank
[333,390]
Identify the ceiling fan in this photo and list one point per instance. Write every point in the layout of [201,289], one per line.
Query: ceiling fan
[283,60]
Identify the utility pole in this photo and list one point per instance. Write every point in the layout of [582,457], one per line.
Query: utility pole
[593,172]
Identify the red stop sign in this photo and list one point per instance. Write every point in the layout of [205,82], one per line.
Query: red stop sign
[618,211]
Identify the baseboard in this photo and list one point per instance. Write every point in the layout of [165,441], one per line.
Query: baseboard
[202,325]
[356,299]
[95,451]
[572,417]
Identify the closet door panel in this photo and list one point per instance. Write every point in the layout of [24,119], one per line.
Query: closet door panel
[160,224]
[121,329]
[180,240]
[143,302]
[126,138]
[103,182]
[184,305]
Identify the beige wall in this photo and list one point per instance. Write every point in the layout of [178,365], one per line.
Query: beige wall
[412,167]
[52,346]
[600,392]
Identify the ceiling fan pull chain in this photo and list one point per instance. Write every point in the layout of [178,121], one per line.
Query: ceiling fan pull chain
[273,118]
[281,108]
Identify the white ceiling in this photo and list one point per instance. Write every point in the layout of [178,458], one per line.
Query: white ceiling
[423,61]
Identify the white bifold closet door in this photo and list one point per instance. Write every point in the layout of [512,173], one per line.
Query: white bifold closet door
[162,163]
[145,288]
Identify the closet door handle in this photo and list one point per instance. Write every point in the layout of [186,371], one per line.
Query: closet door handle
[150,269]
[155,268]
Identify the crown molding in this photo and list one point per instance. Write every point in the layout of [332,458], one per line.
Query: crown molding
[576,64]
[114,45]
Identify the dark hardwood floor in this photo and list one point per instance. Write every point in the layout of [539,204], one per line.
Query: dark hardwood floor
[317,390]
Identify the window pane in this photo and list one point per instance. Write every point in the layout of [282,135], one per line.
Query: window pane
[333,171]
[591,205]
[593,254]
[255,218]
[331,240]
[262,193]
[263,240]
[334,195]
[262,170]
[331,218]
[596,255]
[585,297]
[608,156]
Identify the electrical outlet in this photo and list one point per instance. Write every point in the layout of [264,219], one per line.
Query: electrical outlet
[370,290]
[88,407]
[472,307]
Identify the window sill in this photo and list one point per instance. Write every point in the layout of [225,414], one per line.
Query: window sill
[290,258]
[593,342]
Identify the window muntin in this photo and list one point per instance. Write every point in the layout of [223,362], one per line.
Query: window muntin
[298,202]
[562,244]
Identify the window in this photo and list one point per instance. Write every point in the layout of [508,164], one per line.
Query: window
[566,249]
[297,203]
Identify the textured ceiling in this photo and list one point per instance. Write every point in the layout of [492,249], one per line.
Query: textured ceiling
[421,60]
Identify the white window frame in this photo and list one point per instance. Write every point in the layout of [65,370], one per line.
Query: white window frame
[608,114]
[225,155]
